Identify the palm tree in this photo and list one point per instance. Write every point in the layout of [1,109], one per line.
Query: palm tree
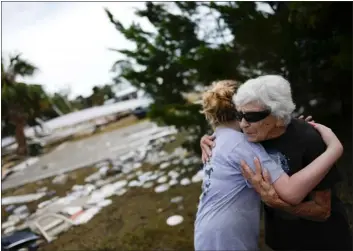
[18,99]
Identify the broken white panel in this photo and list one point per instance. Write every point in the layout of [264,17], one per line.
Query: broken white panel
[175,220]
[103,170]
[164,165]
[14,218]
[104,203]
[137,165]
[121,192]
[161,188]
[71,210]
[198,177]
[134,183]
[177,199]
[185,182]
[173,174]
[23,216]
[42,190]
[186,162]
[21,210]
[176,161]
[93,177]
[162,179]
[106,191]
[21,198]
[9,230]
[60,179]
[173,182]
[8,224]
[130,176]
[147,185]
[86,216]
[44,204]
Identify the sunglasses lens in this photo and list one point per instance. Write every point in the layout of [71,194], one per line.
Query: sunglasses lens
[252,117]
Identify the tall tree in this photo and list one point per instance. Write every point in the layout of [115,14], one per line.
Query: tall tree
[20,102]
[308,43]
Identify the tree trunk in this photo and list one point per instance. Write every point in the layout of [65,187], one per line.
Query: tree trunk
[19,119]
[21,139]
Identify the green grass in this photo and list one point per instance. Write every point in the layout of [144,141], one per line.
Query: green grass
[133,222]
[180,139]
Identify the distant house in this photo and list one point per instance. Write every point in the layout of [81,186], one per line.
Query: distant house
[123,95]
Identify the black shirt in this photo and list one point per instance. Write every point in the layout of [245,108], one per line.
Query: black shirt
[298,147]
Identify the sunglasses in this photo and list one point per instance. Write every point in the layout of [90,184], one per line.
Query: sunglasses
[252,117]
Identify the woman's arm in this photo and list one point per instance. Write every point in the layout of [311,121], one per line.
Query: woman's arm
[293,189]
[318,209]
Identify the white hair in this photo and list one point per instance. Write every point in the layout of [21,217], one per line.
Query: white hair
[271,91]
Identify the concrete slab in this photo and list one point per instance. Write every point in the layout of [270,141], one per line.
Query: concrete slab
[78,154]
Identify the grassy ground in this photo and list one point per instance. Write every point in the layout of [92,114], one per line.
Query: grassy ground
[134,222]
[137,219]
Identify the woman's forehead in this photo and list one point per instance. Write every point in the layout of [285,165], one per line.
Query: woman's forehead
[250,107]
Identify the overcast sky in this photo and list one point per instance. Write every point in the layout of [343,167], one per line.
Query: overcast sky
[67,41]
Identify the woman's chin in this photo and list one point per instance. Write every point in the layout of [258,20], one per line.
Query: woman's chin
[251,138]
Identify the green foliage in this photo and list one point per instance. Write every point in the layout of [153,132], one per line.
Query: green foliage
[21,103]
[308,43]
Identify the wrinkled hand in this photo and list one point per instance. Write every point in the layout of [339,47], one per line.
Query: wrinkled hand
[307,119]
[261,182]
[206,144]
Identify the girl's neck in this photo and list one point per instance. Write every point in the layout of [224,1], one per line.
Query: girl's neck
[232,125]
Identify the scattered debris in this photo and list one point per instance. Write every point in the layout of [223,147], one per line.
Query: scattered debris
[175,220]
[173,182]
[185,182]
[121,192]
[164,165]
[60,179]
[161,188]
[42,190]
[84,201]
[10,208]
[147,185]
[21,198]
[71,210]
[198,177]
[86,216]
[177,199]
[162,179]
[104,203]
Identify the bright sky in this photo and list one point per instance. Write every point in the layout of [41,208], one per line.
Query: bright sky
[67,41]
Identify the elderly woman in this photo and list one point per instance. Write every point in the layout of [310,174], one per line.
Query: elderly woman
[228,216]
[265,109]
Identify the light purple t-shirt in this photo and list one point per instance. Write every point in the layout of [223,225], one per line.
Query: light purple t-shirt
[228,216]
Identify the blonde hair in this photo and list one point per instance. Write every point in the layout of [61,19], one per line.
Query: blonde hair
[217,103]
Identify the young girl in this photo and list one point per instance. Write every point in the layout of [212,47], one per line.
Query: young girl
[228,216]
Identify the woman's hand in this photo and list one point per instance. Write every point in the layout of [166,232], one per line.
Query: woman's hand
[261,183]
[206,144]
[329,137]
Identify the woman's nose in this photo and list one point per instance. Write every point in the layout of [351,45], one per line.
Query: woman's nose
[243,123]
